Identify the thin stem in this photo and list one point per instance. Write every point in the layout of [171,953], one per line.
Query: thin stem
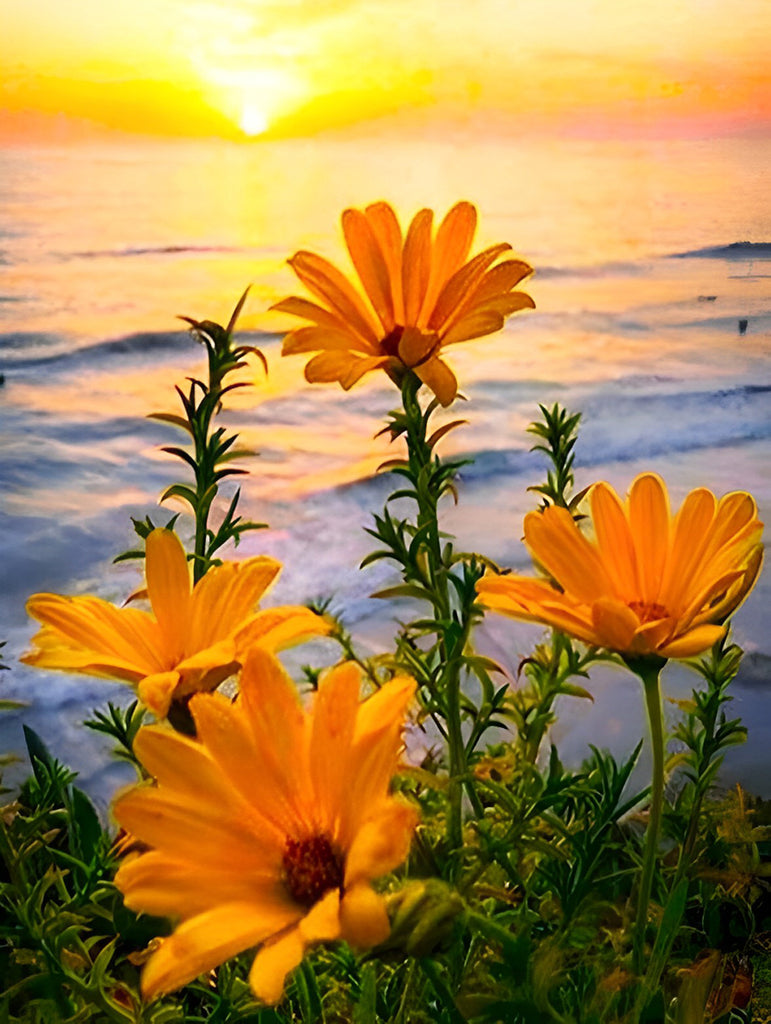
[649,670]
[420,457]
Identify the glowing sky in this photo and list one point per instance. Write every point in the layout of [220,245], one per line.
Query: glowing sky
[293,67]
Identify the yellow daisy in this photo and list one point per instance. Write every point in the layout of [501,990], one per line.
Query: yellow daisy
[424,294]
[267,830]
[651,583]
[195,637]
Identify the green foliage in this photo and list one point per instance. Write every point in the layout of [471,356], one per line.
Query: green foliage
[558,431]
[122,724]
[518,899]
[213,449]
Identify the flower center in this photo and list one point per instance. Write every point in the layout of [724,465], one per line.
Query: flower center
[390,344]
[312,867]
[648,611]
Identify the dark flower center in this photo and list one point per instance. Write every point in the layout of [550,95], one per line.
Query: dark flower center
[648,611]
[180,717]
[390,344]
[312,867]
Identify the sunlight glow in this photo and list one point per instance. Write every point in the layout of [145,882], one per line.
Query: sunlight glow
[254,121]
[236,68]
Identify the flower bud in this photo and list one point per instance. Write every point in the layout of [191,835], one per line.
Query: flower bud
[422,915]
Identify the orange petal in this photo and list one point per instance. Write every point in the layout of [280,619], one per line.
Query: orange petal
[439,378]
[735,512]
[280,727]
[505,305]
[451,304]
[416,265]
[385,228]
[330,285]
[226,734]
[334,722]
[690,536]
[530,600]
[176,761]
[650,636]
[496,281]
[452,245]
[342,367]
[416,346]
[475,325]
[169,887]
[169,588]
[310,311]
[207,940]
[323,339]
[649,521]
[54,651]
[127,637]
[382,843]
[734,596]
[386,706]
[322,922]
[614,541]
[273,629]
[363,917]
[615,624]
[376,758]
[695,641]
[557,543]
[156,692]
[370,265]
[272,964]
[226,597]
[199,830]
[714,590]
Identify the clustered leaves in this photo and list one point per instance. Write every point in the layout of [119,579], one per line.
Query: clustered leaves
[213,450]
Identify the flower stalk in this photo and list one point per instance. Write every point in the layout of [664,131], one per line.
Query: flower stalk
[450,642]
[434,573]
[649,671]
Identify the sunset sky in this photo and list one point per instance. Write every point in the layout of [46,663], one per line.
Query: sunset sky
[249,68]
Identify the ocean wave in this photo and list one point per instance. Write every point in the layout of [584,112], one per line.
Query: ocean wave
[150,250]
[22,350]
[26,350]
[624,427]
[733,251]
[599,270]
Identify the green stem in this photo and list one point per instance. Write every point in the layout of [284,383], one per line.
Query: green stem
[443,994]
[649,670]
[420,457]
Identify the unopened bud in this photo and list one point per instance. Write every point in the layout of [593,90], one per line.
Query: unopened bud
[423,916]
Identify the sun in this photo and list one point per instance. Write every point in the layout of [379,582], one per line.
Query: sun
[253,121]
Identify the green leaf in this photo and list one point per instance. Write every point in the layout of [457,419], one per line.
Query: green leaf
[85,823]
[308,994]
[181,491]
[237,312]
[440,433]
[364,1011]
[171,417]
[39,755]
[403,590]
[126,556]
[571,690]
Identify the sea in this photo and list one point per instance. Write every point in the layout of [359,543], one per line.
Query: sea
[652,284]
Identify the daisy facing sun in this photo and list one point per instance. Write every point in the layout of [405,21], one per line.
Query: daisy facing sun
[422,295]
